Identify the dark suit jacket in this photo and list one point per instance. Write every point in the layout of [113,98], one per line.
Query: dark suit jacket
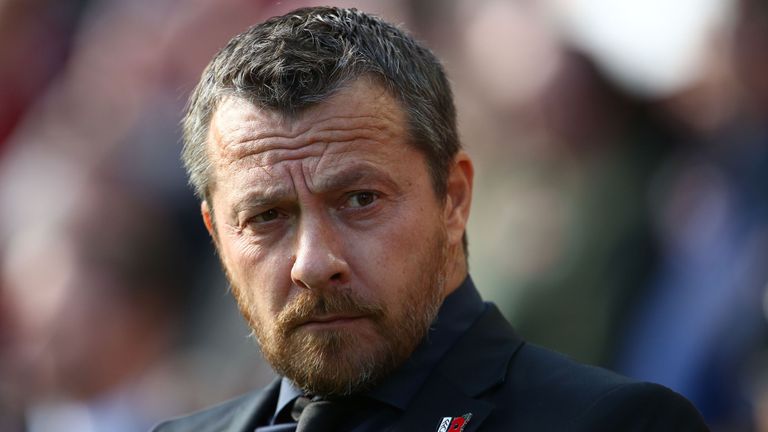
[505,384]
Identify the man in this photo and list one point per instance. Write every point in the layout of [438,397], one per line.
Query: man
[323,145]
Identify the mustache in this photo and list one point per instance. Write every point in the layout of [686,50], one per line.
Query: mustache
[309,304]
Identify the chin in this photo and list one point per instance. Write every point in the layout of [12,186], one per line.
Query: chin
[334,362]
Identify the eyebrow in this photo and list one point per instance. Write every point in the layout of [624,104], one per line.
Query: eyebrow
[358,174]
[355,175]
[262,198]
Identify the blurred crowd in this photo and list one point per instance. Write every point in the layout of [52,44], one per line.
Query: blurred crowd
[620,214]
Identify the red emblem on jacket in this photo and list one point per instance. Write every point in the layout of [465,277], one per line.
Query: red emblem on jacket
[454,424]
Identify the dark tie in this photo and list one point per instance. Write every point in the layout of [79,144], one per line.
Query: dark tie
[320,415]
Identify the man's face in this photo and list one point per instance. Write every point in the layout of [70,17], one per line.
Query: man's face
[331,234]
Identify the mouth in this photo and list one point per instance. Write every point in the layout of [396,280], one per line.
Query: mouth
[326,321]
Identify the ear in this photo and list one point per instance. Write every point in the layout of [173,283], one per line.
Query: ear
[459,197]
[207,214]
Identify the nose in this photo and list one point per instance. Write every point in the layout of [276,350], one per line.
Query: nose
[319,261]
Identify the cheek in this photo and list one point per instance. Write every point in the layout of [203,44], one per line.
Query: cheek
[261,275]
[384,256]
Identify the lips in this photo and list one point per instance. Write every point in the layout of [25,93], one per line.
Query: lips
[325,310]
[326,320]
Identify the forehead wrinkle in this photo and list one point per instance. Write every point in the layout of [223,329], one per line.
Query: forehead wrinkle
[312,156]
[247,139]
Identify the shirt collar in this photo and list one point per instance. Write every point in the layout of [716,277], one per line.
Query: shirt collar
[457,313]
[288,392]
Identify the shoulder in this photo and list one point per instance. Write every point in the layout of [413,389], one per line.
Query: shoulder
[534,388]
[232,415]
[550,387]
[641,406]
[536,368]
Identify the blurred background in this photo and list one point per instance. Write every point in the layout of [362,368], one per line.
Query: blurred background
[620,214]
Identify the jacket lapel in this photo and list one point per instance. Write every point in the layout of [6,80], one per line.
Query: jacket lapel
[440,400]
[256,409]
[476,363]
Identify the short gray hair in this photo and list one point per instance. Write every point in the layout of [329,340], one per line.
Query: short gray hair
[297,60]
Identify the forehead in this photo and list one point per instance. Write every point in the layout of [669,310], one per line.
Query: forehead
[360,121]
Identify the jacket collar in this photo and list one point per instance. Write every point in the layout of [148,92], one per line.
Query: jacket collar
[256,408]
[475,364]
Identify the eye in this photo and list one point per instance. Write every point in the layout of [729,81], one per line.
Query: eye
[266,216]
[362,199]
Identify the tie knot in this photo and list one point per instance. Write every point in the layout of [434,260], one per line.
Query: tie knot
[298,406]
[318,414]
